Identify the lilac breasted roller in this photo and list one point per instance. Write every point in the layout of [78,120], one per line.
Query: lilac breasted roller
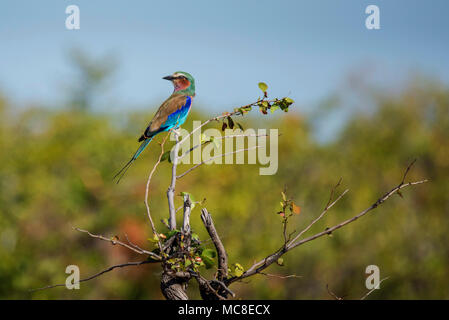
[170,115]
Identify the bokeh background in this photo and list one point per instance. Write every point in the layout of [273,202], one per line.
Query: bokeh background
[368,102]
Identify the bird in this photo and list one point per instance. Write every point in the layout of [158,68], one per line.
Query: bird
[171,114]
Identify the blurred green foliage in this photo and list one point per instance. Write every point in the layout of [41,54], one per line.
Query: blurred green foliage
[56,173]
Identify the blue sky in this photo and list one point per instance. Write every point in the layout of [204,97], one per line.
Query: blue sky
[304,49]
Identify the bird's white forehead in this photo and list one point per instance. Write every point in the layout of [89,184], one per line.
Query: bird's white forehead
[178,74]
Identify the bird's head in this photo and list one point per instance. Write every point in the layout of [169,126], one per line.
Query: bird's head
[182,81]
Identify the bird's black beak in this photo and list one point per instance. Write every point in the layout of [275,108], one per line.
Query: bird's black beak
[168,78]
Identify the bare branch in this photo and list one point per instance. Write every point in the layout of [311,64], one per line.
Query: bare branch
[373,206]
[222,138]
[171,188]
[116,241]
[331,197]
[133,244]
[332,293]
[326,209]
[187,210]
[263,264]
[221,252]
[206,289]
[147,191]
[138,263]
[218,288]
[212,158]
[279,276]
[369,292]
[407,170]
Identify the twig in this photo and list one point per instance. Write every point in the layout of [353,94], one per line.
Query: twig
[332,293]
[187,210]
[116,241]
[373,206]
[147,191]
[369,292]
[227,114]
[222,138]
[326,209]
[205,286]
[223,286]
[138,263]
[279,276]
[212,158]
[171,188]
[263,264]
[407,170]
[362,298]
[331,197]
[133,244]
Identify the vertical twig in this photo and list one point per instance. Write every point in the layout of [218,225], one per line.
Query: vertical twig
[171,188]
[147,191]
[187,209]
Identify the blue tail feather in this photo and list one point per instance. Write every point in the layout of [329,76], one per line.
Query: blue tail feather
[122,171]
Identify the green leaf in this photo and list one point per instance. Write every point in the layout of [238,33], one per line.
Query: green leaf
[237,270]
[215,142]
[280,261]
[263,86]
[166,156]
[208,256]
[155,239]
[285,103]
[245,110]
[171,233]
[204,138]
[195,236]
